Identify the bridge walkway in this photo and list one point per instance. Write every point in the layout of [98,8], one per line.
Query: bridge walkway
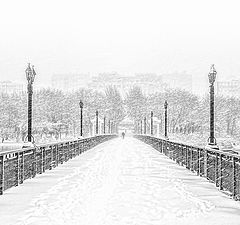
[119,182]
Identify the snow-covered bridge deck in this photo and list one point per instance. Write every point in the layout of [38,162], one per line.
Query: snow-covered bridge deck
[118,182]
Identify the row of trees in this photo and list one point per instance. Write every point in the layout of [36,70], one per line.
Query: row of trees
[187,113]
[56,113]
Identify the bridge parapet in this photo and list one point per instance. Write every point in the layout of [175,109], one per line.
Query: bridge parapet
[217,166]
[21,164]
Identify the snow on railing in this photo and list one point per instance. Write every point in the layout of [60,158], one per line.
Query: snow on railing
[217,166]
[19,165]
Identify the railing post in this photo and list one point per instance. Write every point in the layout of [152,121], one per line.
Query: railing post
[220,171]
[17,169]
[182,155]
[170,155]
[66,151]
[57,155]
[186,157]
[34,163]
[78,148]
[43,160]
[51,157]
[234,181]
[164,147]
[174,151]
[178,154]
[191,159]
[216,170]
[198,162]
[69,150]
[54,156]
[21,167]
[61,153]
[167,148]
[1,174]
[205,163]
[161,146]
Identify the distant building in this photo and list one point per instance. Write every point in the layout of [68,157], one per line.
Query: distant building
[149,82]
[228,88]
[69,82]
[181,80]
[9,87]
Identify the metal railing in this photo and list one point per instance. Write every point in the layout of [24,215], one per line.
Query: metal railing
[19,165]
[217,166]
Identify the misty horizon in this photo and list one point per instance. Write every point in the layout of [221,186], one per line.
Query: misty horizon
[128,37]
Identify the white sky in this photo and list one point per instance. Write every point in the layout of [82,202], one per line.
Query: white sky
[125,36]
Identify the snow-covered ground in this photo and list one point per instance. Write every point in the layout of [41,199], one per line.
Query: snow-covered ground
[120,182]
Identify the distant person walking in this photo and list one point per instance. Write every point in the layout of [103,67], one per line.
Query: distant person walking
[123,135]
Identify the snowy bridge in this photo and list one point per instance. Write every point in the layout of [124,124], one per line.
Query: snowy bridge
[121,182]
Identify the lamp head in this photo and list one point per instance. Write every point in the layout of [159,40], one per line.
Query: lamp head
[81,104]
[212,75]
[30,74]
[165,105]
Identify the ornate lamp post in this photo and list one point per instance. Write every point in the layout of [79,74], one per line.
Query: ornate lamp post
[212,77]
[112,127]
[104,125]
[165,128]
[30,75]
[81,118]
[151,122]
[109,126]
[145,125]
[97,122]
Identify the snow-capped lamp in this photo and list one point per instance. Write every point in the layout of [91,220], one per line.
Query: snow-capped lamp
[81,104]
[30,75]
[212,75]
[166,125]
[81,118]
[212,143]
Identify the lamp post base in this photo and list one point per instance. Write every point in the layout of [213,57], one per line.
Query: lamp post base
[212,146]
[28,145]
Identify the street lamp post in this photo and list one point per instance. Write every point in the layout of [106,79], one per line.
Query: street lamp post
[97,122]
[81,118]
[104,125]
[109,126]
[141,126]
[112,127]
[30,75]
[165,107]
[151,122]
[212,77]
[145,125]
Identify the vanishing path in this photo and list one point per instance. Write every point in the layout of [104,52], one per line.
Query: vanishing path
[120,182]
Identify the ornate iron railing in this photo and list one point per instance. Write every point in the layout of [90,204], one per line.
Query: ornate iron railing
[217,166]
[19,165]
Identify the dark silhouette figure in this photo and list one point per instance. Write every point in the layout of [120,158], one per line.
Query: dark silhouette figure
[123,135]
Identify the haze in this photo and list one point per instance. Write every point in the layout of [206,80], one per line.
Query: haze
[123,36]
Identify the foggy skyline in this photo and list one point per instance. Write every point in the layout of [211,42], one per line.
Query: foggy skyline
[124,36]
